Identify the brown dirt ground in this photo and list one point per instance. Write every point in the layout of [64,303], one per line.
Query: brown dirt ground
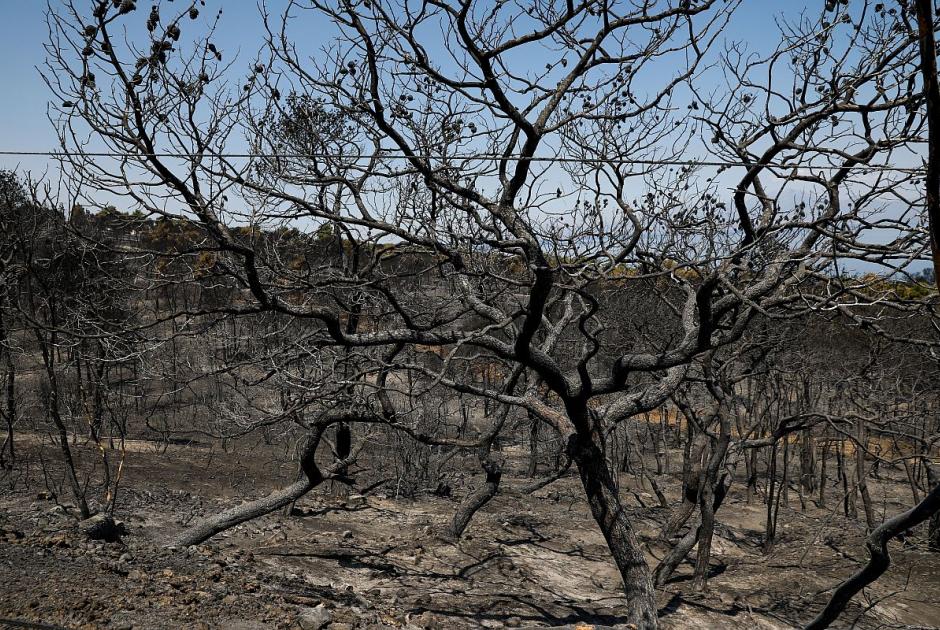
[376,562]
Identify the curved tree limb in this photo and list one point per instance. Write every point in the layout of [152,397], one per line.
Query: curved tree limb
[312,477]
[879,561]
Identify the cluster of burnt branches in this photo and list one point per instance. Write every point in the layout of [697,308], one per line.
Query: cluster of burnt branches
[597,225]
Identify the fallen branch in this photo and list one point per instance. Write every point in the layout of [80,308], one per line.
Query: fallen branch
[310,479]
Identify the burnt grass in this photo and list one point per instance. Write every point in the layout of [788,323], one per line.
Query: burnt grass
[379,560]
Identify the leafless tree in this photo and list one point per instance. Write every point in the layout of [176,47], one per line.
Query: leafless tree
[499,203]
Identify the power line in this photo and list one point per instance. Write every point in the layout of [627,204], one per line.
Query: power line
[477,156]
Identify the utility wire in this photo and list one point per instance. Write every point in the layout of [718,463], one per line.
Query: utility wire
[478,156]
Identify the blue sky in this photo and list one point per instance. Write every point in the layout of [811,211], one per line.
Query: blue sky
[23,122]
[25,127]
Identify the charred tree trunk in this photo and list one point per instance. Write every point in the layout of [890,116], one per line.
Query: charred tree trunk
[912,481]
[705,533]
[771,526]
[48,350]
[9,411]
[691,479]
[848,494]
[928,67]
[343,442]
[751,468]
[478,498]
[679,517]
[709,500]
[663,501]
[678,553]
[541,483]
[533,445]
[808,462]
[600,490]
[212,525]
[933,533]
[861,476]
[822,474]
[625,456]
[933,529]
[879,560]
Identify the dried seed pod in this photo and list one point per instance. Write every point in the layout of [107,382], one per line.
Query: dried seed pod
[173,32]
[127,6]
[193,13]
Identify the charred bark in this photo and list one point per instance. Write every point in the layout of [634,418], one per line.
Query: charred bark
[479,497]
[533,445]
[310,479]
[678,553]
[609,513]
[861,476]
[933,529]
[710,498]
[541,483]
[51,402]
[928,66]
[879,560]
[8,413]
[808,462]
[691,481]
